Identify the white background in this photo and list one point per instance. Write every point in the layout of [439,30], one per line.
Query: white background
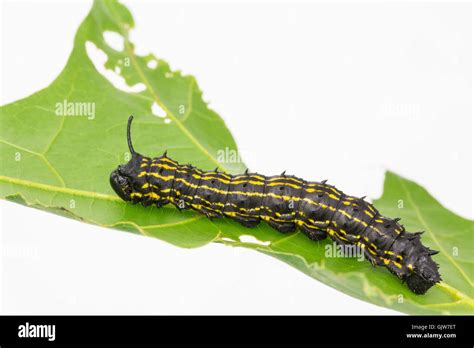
[306,87]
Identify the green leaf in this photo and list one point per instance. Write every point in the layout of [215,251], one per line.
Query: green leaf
[61,164]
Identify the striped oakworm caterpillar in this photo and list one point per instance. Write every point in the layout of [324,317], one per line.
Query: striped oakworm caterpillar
[285,202]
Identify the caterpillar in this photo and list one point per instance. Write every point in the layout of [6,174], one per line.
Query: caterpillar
[286,203]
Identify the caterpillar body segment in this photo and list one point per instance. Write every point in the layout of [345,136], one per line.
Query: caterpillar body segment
[286,203]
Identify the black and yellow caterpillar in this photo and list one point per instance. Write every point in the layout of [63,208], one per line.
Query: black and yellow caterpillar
[284,202]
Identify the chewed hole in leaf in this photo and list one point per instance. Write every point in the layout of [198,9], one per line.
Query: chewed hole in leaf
[157,110]
[251,239]
[99,58]
[114,40]
[167,120]
[152,64]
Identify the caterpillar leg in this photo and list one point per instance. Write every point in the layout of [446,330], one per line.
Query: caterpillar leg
[146,202]
[210,214]
[313,234]
[283,227]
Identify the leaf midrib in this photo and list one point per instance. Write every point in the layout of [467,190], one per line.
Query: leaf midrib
[94,195]
[60,189]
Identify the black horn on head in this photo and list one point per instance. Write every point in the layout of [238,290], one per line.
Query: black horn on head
[129,138]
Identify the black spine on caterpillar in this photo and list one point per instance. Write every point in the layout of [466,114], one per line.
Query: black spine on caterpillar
[285,203]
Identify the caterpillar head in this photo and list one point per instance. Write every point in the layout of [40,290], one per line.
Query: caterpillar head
[121,183]
[122,179]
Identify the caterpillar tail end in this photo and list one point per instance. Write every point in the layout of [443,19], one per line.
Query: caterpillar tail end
[425,274]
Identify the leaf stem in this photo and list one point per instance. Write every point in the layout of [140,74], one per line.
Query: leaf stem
[456,294]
